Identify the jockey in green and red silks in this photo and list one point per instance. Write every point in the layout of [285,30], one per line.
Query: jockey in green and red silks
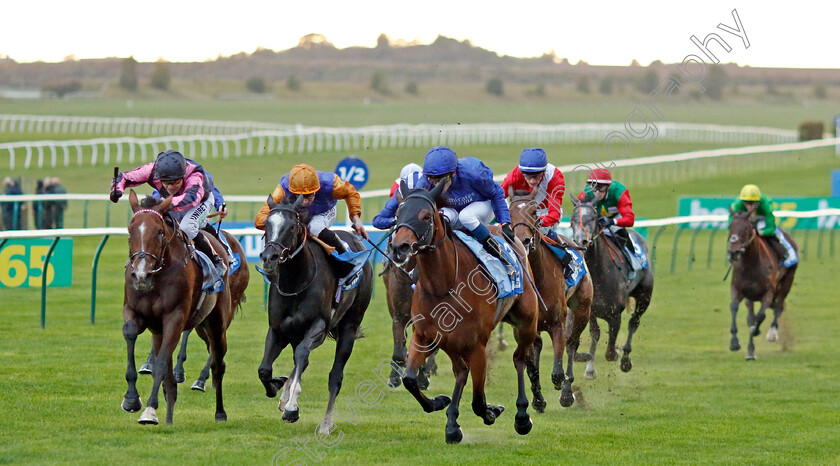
[612,199]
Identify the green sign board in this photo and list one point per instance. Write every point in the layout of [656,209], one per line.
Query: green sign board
[22,260]
[688,206]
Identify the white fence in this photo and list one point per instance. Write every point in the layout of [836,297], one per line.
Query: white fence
[300,140]
[59,124]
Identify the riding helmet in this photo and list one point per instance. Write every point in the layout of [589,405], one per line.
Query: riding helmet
[440,161]
[533,160]
[600,176]
[170,165]
[750,192]
[303,179]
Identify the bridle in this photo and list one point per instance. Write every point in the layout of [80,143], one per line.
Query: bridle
[735,253]
[589,239]
[425,241]
[532,245]
[142,254]
[285,255]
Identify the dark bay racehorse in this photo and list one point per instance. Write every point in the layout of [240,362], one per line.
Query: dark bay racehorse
[454,307]
[163,293]
[302,309]
[610,275]
[563,326]
[238,282]
[756,276]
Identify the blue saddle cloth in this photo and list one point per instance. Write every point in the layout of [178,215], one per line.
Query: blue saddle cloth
[578,269]
[791,258]
[507,286]
[213,280]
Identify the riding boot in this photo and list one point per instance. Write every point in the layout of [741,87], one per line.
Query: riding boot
[203,245]
[492,246]
[328,236]
[777,246]
[209,229]
[566,262]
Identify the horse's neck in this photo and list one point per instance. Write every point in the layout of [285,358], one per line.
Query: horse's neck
[599,255]
[298,268]
[437,267]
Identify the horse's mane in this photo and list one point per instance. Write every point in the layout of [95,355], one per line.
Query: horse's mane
[521,193]
[150,201]
[288,203]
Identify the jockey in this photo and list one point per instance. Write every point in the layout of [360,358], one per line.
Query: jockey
[474,198]
[191,188]
[411,174]
[612,203]
[320,191]
[534,172]
[752,200]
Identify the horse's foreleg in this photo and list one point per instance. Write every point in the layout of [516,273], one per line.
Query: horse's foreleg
[343,348]
[314,336]
[478,371]
[398,356]
[594,336]
[773,332]
[614,326]
[180,375]
[417,353]
[461,371]
[642,304]
[201,381]
[164,345]
[533,368]
[525,337]
[734,345]
[131,402]
[274,344]
[560,379]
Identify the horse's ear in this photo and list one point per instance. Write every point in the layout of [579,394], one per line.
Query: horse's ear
[270,202]
[132,200]
[439,190]
[510,191]
[399,195]
[164,206]
[298,202]
[403,188]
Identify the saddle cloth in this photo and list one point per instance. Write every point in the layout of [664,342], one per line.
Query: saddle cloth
[505,285]
[578,269]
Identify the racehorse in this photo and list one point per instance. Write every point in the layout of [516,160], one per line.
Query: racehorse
[610,273]
[238,282]
[398,295]
[563,327]
[303,305]
[454,307]
[756,276]
[163,293]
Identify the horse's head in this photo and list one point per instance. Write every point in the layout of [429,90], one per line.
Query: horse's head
[523,216]
[285,231]
[148,237]
[417,222]
[584,222]
[741,234]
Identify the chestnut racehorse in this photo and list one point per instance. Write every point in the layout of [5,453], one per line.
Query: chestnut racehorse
[756,276]
[563,327]
[163,294]
[455,308]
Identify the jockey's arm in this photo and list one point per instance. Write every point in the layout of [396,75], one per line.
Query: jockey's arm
[766,208]
[343,190]
[136,177]
[625,208]
[554,199]
[385,218]
[277,195]
[508,181]
[492,191]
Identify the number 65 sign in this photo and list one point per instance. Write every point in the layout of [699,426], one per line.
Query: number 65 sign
[22,260]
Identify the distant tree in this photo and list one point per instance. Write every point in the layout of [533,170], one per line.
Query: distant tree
[62,88]
[411,87]
[379,83]
[128,74]
[537,91]
[161,78]
[606,85]
[715,82]
[311,41]
[293,83]
[820,90]
[648,81]
[256,85]
[382,42]
[583,84]
[635,63]
[495,86]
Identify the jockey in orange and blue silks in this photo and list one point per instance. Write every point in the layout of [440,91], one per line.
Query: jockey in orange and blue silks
[474,198]
[171,174]
[411,174]
[535,173]
[320,191]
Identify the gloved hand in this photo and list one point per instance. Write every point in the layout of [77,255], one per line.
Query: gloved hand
[605,222]
[508,232]
[115,196]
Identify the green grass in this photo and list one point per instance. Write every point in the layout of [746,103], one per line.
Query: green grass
[687,400]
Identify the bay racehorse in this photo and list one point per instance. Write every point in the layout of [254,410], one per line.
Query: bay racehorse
[563,327]
[757,276]
[610,272]
[454,308]
[302,305]
[163,294]
[238,282]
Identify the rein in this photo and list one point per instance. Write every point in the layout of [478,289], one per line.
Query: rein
[160,262]
[285,258]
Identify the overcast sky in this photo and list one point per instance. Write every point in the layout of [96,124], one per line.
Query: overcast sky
[792,34]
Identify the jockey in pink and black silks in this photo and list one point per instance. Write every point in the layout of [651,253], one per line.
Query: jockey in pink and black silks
[173,175]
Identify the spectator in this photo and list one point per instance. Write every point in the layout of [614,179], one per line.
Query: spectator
[54,210]
[38,206]
[12,211]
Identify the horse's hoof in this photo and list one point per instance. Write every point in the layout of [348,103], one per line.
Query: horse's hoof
[502,345]
[626,365]
[538,404]
[772,335]
[275,385]
[131,406]
[440,402]
[454,435]
[734,346]
[590,374]
[567,399]
[523,426]
[583,357]
[611,355]
[750,357]
[198,386]
[557,378]
[221,417]
[754,331]
[180,376]
[291,416]
[146,368]
[493,413]
[394,380]
[148,417]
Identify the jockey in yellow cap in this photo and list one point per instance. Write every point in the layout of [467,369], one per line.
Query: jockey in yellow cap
[320,191]
[758,205]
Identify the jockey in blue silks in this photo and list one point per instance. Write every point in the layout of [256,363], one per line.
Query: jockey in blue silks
[411,174]
[474,198]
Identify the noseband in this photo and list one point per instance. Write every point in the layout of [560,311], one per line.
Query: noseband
[284,253]
[140,255]
[589,239]
[425,240]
